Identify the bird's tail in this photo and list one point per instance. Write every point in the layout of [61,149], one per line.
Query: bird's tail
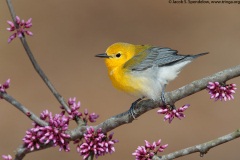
[200,54]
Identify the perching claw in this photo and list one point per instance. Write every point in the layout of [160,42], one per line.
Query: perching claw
[162,95]
[131,110]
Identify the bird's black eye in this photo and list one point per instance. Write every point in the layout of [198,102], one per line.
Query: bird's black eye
[118,55]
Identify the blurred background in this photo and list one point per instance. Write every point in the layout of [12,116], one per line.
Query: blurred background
[67,35]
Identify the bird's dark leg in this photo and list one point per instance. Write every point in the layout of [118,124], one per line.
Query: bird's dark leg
[131,110]
[172,107]
[162,95]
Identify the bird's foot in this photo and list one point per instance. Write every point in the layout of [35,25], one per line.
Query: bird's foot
[163,95]
[171,107]
[163,99]
[131,110]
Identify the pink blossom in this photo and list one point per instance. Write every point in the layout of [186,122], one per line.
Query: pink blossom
[4,86]
[149,150]
[92,117]
[32,138]
[74,112]
[55,132]
[170,113]
[89,117]
[74,107]
[97,143]
[221,91]
[22,27]
[7,157]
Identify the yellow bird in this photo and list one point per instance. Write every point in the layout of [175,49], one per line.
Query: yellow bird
[143,70]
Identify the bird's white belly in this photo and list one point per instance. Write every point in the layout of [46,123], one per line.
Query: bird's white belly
[152,81]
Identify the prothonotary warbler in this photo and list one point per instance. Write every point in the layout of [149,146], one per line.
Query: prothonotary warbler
[143,70]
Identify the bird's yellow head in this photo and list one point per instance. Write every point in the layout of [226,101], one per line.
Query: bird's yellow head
[117,54]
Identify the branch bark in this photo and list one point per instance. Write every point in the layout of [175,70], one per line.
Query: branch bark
[171,97]
[23,109]
[146,105]
[201,148]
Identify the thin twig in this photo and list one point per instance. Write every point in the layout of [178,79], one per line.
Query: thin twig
[201,148]
[22,150]
[23,109]
[35,64]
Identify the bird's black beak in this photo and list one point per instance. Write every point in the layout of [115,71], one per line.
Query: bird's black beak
[102,55]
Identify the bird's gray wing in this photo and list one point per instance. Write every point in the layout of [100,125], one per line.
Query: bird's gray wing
[154,56]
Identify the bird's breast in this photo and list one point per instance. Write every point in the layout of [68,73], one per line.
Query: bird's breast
[139,83]
[123,80]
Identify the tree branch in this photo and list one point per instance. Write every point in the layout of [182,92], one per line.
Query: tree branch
[35,64]
[171,97]
[23,109]
[146,105]
[22,150]
[201,148]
